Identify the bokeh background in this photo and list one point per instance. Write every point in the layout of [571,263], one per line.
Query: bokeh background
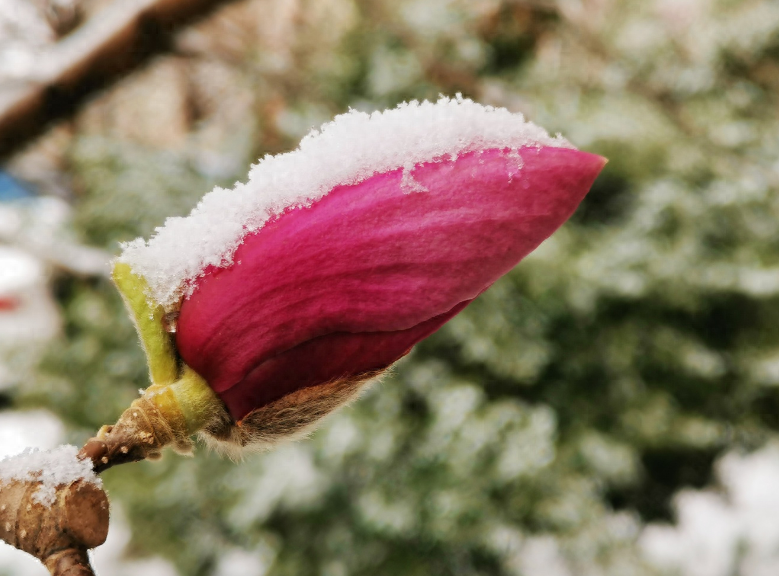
[611,407]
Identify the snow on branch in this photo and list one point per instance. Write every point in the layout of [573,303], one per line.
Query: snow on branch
[113,41]
[50,468]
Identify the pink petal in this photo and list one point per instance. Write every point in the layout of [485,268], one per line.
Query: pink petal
[325,358]
[349,284]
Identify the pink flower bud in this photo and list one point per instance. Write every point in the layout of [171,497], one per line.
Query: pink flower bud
[348,284]
[331,261]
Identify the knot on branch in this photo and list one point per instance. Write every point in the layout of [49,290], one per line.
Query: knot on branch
[58,535]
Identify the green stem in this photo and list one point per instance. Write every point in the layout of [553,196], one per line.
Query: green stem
[150,324]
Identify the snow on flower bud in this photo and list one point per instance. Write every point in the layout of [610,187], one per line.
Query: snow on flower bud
[332,261]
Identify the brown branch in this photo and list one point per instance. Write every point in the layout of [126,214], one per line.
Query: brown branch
[107,46]
[60,535]
[141,433]
[70,562]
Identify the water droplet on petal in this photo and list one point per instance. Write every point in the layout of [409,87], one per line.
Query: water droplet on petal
[170,322]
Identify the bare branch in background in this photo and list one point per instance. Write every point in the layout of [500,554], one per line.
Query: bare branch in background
[106,46]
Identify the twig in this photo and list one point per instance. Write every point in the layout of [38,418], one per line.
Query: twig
[61,534]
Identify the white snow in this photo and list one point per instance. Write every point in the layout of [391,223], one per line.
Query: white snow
[56,467]
[729,531]
[348,150]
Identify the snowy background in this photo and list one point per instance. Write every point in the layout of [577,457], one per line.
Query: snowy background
[609,408]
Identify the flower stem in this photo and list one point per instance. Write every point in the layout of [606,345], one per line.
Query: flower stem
[166,415]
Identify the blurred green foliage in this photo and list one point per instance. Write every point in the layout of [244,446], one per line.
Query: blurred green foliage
[564,408]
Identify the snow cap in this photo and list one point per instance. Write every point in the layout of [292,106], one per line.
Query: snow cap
[52,468]
[352,148]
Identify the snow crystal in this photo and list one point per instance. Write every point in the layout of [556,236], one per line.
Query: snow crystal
[348,150]
[52,468]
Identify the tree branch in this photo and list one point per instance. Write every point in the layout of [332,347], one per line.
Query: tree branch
[58,535]
[107,46]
